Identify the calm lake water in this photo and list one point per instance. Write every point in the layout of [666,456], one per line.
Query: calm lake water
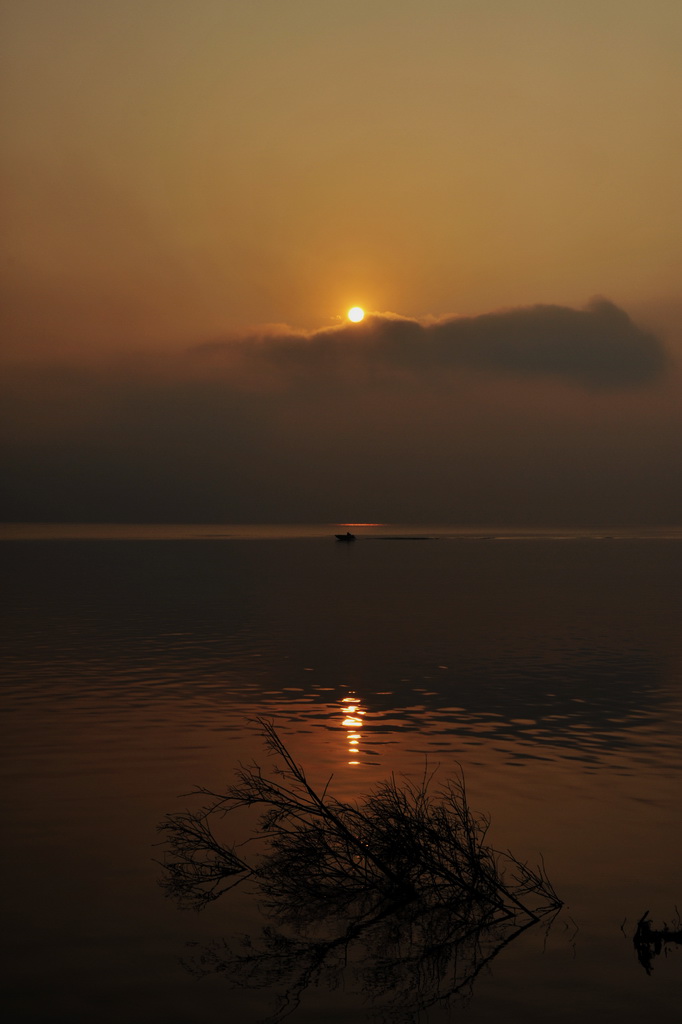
[547,664]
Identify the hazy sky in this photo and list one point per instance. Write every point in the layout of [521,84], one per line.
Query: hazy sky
[197,190]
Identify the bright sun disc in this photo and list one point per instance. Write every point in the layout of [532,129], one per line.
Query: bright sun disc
[356,314]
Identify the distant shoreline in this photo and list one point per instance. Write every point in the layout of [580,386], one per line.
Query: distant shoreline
[324,531]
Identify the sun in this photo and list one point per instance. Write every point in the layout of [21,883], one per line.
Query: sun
[356,314]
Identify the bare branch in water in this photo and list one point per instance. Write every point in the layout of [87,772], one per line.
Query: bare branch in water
[651,942]
[407,875]
[197,868]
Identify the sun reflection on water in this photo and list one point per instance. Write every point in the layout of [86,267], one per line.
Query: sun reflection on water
[352,723]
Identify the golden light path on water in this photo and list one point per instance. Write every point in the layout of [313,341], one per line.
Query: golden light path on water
[352,723]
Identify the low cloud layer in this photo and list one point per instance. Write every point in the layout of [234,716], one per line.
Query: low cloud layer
[598,346]
[534,415]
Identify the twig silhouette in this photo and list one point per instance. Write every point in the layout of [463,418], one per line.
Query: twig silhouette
[651,942]
[406,875]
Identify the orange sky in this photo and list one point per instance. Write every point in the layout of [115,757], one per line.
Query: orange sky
[177,169]
[184,172]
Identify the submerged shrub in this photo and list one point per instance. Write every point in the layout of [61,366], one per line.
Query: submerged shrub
[407,875]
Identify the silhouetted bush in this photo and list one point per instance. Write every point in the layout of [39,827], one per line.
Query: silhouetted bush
[407,874]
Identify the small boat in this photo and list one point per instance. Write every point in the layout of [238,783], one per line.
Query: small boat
[345,537]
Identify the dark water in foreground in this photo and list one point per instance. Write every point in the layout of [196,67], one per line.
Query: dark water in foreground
[549,668]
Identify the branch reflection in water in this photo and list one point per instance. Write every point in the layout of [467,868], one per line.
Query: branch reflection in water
[402,890]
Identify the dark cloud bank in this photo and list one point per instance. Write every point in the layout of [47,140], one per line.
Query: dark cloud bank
[540,414]
[596,347]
